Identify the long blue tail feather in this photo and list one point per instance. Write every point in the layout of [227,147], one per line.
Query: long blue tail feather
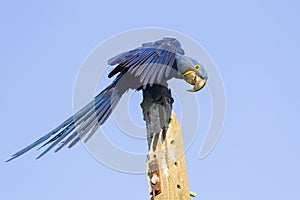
[54,143]
[77,126]
[66,141]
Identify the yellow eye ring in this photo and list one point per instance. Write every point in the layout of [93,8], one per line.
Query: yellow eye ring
[197,67]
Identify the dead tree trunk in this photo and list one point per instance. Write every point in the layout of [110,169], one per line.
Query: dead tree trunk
[166,168]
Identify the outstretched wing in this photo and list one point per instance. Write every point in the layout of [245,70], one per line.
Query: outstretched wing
[150,62]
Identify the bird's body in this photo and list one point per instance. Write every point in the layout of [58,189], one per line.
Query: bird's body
[153,63]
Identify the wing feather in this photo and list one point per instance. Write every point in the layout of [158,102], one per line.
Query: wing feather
[150,62]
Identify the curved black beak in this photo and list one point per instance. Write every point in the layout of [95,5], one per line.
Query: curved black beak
[194,79]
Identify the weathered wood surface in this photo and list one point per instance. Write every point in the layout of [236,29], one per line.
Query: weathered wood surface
[166,167]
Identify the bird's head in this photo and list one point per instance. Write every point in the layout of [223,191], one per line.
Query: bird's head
[192,71]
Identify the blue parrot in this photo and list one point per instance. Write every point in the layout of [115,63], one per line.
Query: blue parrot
[152,63]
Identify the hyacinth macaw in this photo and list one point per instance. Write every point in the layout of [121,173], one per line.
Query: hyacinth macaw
[152,63]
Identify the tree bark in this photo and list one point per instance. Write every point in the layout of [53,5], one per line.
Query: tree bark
[166,167]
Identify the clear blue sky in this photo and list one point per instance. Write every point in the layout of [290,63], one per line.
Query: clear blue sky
[255,45]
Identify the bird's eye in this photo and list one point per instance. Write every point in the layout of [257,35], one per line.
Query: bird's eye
[197,67]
